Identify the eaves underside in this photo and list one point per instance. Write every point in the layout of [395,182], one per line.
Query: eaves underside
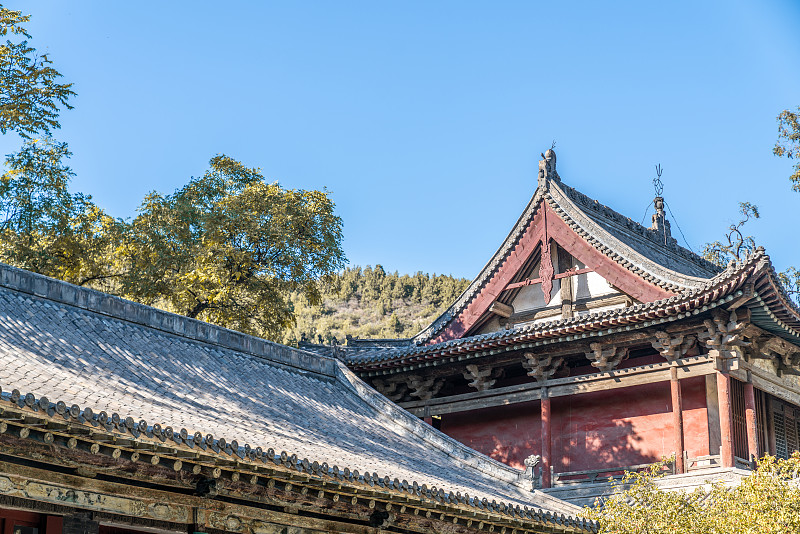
[770,307]
[122,446]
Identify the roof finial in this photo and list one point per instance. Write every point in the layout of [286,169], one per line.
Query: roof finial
[660,222]
[657,183]
[547,166]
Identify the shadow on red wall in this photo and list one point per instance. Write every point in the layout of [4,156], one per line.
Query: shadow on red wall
[612,428]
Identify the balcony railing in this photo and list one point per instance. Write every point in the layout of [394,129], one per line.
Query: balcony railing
[589,476]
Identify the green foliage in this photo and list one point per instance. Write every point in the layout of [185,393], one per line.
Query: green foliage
[790,280]
[370,303]
[766,502]
[788,143]
[736,245]
[30,95]
[44,228]
[228,248]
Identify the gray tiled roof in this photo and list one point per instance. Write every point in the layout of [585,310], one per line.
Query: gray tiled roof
[623,240]
[80,346]
[665,261]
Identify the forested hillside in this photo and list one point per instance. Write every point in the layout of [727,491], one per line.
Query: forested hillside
[369,302]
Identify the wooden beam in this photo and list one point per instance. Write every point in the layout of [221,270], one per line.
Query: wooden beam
[559,276]
[769,382]
[567,298]
[560,387]
[503,310]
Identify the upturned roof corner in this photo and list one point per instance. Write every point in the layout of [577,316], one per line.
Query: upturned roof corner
[621,249]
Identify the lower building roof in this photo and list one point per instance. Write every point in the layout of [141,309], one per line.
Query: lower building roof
[99,352]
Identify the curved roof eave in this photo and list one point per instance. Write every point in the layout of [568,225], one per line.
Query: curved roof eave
[564,200]
[780,315]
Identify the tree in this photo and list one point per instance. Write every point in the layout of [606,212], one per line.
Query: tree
[30,95]
[788,143]
[736,245]
[354,305]
[766,502]
[228,248]
[44,228]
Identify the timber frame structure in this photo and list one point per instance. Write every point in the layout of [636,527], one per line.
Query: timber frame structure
[590,344]
[117,418]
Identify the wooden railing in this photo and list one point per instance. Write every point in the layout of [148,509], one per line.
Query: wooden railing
[741,463]
[713,460]
[589,476]
[702,462]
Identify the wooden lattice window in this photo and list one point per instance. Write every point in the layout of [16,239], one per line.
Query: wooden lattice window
[739,420]
[785,422]
[761,419]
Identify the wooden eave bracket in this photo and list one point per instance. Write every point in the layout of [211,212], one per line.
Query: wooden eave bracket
[785,356]
[541,366]
[673,346]
[606,358]
[483,377]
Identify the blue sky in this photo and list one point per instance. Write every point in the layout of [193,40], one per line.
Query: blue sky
[425,120]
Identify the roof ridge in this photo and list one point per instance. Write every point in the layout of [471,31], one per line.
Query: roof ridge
[94,301]
[484,276]
[638,228]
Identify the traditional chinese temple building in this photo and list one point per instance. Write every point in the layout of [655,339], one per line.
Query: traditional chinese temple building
[117,418]
[589,344]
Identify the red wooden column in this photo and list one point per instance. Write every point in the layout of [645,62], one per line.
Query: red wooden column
[750,421]
[677,418]
[725,419]
[546,481]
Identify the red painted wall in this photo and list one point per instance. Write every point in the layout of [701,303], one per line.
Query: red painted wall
[506,433]
[612,428]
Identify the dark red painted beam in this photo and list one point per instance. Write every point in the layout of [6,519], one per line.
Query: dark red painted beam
[565,274]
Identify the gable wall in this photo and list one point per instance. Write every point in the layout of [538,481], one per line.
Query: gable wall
[559,232]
